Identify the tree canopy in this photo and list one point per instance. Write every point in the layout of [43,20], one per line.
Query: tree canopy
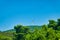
[51,31]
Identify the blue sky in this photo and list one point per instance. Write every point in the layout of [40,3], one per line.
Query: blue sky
[27,12]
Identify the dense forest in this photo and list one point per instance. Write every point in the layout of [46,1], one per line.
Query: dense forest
[50,31]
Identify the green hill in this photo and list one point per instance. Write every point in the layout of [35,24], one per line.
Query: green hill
[8,34]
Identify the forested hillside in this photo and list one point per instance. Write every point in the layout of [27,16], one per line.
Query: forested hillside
[51,31]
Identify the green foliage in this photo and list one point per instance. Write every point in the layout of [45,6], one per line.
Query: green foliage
[52,24]
[58,22]
[44,32]
[5,37]
[21,31]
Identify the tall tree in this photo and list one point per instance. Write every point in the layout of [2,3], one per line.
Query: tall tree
[21,31]
[52,24]
[58,22]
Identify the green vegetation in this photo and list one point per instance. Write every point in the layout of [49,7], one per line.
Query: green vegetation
[50,31]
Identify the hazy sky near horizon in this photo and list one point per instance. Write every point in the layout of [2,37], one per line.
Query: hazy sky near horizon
[27,12]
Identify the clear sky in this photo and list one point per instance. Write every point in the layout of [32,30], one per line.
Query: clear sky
[27,12]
